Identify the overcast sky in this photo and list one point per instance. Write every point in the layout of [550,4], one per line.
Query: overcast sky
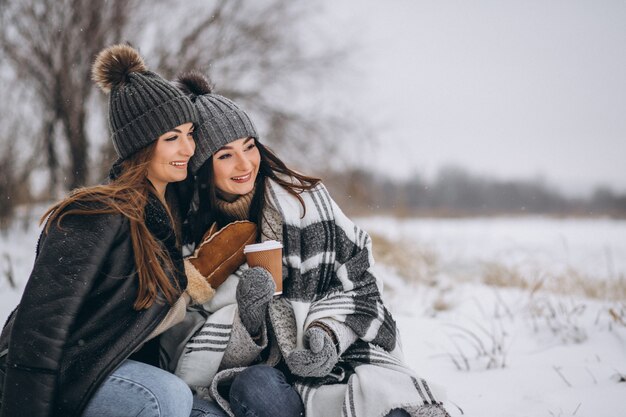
[513,89]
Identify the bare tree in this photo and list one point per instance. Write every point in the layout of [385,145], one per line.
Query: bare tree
[51,43]
[252,50]
[258,54]
[15,164]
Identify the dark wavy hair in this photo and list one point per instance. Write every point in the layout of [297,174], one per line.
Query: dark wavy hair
[271,166]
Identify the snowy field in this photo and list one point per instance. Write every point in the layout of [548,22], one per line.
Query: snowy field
[508,349]
[535,245]
[499,348]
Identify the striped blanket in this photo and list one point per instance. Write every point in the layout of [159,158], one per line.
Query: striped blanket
[328,277]
[203,352]
[329,261]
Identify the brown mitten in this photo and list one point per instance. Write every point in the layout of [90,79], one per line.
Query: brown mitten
[197,286]
[221,252]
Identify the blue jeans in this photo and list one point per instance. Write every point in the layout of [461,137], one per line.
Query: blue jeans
[263,391]
[136,389]
[203,408]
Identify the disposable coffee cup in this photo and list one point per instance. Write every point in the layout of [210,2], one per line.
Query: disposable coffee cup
[268,255]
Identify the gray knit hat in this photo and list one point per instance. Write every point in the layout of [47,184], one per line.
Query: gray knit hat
[220,121]
[142,105]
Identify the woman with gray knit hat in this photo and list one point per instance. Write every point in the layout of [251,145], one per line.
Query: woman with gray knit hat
[327,346]
[108,276]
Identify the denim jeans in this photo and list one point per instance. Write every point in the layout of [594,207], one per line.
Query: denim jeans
[140,390]
[203,408]
[263,391]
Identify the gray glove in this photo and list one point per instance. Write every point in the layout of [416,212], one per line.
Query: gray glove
[254,293]
[316,361]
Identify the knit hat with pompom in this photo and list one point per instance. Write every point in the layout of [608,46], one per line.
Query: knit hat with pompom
[142,105]
[220,121]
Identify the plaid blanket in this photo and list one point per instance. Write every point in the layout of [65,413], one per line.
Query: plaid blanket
[328,275]
[328,257]
[206,333]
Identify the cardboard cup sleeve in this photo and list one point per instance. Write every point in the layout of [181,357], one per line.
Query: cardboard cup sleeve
[268,255]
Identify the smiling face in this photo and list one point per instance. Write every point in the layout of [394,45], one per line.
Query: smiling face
[170,158]
[235,167]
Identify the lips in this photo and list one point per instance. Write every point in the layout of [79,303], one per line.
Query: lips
[242,178]
[179,164]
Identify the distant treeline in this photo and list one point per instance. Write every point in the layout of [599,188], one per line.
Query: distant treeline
[457,192]
[453,193]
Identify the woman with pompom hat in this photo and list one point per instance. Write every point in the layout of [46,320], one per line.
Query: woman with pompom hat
[108,275]
[327,345]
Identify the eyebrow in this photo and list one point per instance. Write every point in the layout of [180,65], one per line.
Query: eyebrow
[178,130]
[230,147]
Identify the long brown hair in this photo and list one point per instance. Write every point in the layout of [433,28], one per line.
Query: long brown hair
[271,166]
[128,195]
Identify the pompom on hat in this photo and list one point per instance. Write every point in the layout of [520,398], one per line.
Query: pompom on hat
[142,105]
[220,121]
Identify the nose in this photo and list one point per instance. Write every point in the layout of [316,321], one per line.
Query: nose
[188,147]
[243,163]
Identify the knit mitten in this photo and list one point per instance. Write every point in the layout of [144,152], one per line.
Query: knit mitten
[254,293]
[316,361]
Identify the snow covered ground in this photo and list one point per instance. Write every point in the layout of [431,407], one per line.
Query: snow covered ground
[499,354]
[498,350]
[506,351]
[593,247]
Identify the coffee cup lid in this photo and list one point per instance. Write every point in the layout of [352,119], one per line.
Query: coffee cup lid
[267,245]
